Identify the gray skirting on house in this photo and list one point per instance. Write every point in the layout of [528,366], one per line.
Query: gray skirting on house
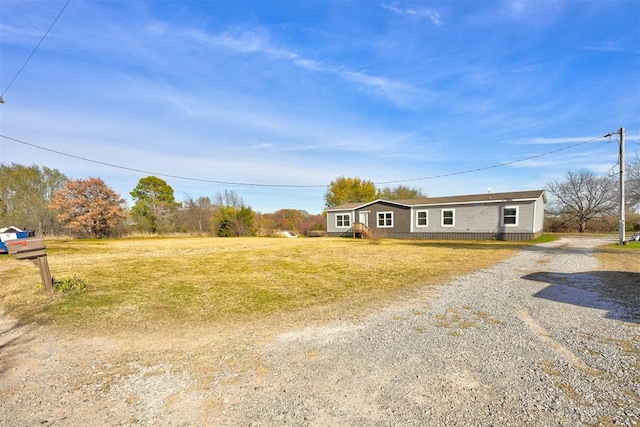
[449,236]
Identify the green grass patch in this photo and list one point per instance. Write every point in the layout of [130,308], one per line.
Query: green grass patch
[138,281]
[545,238]
[630,246]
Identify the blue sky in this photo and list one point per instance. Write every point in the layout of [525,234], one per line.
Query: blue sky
[289,95]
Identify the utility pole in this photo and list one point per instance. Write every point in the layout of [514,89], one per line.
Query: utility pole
[622,199]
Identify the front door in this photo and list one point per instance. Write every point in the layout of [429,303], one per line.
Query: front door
[363,218]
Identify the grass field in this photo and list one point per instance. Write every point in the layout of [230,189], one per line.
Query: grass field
[621,270]
[621,258]
[152,281]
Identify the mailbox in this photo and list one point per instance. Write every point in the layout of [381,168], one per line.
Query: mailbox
[33,249]
[28,248]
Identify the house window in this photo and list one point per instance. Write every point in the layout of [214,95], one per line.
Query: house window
[385,219]
[343,220]
[422,218]
[448,217]
[510,216]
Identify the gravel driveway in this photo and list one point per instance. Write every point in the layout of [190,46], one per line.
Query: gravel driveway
[536,340]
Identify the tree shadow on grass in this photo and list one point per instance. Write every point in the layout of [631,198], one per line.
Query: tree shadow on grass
[616,292]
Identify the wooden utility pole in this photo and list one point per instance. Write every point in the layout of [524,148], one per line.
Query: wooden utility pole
[622,198]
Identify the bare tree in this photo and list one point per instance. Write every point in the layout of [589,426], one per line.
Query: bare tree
[196,215]
[632,181]
[583,196]
[228,199]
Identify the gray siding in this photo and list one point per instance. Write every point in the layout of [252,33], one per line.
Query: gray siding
[401,217]
[332,229]
[476,218]
[463,236]
[539,216]
[475,221]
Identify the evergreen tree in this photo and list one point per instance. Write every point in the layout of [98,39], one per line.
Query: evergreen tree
[155,207]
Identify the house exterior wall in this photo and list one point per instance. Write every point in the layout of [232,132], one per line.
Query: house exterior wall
[477,221]
[400,217]
[333,229]
[479,218]
[482,220]
[538,223]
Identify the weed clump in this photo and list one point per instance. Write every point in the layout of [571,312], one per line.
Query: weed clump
[69,284]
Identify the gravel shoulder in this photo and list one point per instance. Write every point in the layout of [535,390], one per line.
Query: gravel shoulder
[538,339]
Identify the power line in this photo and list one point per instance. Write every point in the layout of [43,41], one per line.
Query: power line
[248,184]
[34,51]
[211,181]
[492,166]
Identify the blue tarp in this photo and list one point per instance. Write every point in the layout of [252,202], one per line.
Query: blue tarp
[19,235]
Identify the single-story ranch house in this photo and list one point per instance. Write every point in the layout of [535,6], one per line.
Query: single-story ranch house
[517,215]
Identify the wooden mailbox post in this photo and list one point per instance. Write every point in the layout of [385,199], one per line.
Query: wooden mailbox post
[33,249]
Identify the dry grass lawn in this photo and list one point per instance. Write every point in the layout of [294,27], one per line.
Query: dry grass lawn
[620,267]
[621,258]
[150,282]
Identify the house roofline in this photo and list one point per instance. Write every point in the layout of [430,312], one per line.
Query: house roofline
[451,200]
[473,202]
[354,206]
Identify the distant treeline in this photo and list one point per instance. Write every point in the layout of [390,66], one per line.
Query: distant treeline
[46,201]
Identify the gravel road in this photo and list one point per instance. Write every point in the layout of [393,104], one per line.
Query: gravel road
[540,339]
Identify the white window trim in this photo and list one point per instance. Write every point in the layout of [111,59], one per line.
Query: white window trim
[517,208]
[384,219]
[427,218]
[348,215]
[442,224]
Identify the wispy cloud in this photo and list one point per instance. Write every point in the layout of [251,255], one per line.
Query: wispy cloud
[527,68]
[415,12]
[607,46]
[391,89]
[553,141]
[517,7]
[532,12]
[592,159]
[258,42]
[13,34]
[632,138]
[244,41]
